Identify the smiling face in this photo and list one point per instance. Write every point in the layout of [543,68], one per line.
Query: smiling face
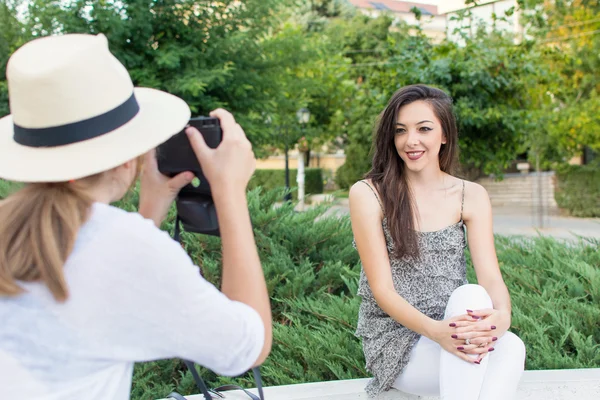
[418,136]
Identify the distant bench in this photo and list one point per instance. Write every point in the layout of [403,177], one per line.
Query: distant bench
[567,384]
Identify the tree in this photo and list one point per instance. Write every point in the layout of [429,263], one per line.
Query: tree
[566,34]
[487,78]
[12,36]
[212,54]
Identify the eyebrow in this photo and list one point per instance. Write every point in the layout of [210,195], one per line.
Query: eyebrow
[398,123]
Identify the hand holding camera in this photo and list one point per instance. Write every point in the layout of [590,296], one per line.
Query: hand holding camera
[157,191]
[230,166]
[213,149]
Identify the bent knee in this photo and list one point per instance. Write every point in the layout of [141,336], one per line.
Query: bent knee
[471,296]
[472,289]
[514,345]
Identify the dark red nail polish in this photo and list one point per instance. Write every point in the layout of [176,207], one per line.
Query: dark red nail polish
[469,310]
[454,337]
[460,348]
[493,327]
[491,349]
[477,362]
[452,324]
[474,316]
[494,339]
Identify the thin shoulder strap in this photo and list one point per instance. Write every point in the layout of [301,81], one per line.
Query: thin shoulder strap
[462,204]
[375,193]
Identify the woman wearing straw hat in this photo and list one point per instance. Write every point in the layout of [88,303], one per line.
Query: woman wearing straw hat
[87,289]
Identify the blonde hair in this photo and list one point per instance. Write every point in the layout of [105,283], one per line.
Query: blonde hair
[38,228]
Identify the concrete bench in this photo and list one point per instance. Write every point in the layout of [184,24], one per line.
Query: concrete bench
[571,384]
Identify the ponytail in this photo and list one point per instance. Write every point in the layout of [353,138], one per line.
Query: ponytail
[38,228]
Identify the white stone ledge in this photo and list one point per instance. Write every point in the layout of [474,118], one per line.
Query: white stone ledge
[572,384]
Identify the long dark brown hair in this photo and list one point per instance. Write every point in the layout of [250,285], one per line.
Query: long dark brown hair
[388,170]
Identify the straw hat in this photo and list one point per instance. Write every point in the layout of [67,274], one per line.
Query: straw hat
[75,112]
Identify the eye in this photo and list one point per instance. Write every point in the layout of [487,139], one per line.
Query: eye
[400,131]
[425,129]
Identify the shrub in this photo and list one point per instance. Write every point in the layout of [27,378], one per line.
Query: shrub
[274,178]
[312,273]
[578,190]
[7,188]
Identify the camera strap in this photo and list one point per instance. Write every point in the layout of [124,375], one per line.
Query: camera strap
[200,384]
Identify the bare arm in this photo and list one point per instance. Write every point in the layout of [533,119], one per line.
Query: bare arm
[478,218]
[243,278]
[366,217]
[229,168]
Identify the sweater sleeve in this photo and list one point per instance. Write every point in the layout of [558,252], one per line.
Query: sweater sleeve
[144,299]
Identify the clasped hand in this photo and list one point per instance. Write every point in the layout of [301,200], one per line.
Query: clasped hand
[473,333]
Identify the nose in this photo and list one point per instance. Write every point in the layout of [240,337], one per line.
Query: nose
[413,138]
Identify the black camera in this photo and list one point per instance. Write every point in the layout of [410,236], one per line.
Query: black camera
[195,206]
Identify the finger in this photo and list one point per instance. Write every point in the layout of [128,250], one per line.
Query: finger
[477,342]
[463,356]
[475,327]
[180,180]
[483,340]
[454,321]
[226,120]
[461,325]
[199,146]
[481,357]
[471,349]
[481,313]
[467,335]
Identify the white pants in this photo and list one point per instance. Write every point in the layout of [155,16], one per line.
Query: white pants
[433,371]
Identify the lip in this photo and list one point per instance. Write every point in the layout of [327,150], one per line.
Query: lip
[416,157]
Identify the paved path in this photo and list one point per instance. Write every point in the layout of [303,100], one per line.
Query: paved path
[574,384]
[524,224]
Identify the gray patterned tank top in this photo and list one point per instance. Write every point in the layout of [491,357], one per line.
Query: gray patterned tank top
[425,282]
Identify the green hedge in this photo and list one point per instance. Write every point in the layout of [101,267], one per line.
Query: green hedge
[266,178]
[312,273]
[578,190]
[6,188]
[275,178]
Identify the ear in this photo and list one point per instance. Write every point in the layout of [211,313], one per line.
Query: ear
[444,139]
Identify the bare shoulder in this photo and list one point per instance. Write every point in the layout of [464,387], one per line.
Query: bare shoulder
[475,191]
[477,200]
[362,198]
[360,191]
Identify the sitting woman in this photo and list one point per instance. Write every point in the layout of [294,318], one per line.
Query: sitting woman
[87,289]
[426,331]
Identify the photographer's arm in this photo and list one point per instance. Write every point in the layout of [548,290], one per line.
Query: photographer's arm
[243,278]
[228,169]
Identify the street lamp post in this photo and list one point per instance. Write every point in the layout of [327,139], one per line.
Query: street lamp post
[303,116]
[288,195]
[282,135]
